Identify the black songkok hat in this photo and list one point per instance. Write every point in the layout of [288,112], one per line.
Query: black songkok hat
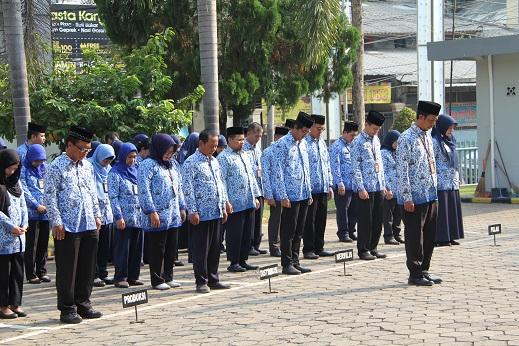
[236,130]
[375,118]
[304,120]
[319,119]
[350,126]
[290,123]
[37,128]
[281,130]
[81,133]
[428,107]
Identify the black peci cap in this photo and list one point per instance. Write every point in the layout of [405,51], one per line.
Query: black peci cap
[350,126]
[81,133]
[428,107]
[304,120]
[37,128]
[281,130]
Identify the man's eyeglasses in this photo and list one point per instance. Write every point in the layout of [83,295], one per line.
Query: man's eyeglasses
[83,150]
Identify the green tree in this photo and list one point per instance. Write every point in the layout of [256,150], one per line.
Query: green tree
[404,119]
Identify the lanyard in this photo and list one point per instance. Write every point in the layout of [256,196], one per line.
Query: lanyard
[432,166]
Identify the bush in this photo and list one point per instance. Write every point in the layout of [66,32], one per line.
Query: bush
[404,119]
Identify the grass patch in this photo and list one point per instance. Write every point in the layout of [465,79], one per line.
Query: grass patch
[468,190]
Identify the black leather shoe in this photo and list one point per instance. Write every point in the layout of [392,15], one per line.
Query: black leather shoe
[290,270]
[325,253]
[310,256]
[236,268]
[454,242]
[248,266]
[219,286]
[391,241]
[135,283]
[19,313]
[366,256]
[178,263]
[10,316]
[399,239]
[353,236]
[433,278]
[108,281]
[443,243]
[90,314]
[45,278]
[122,284]
[303,270]
[345,239]
[378,254]
[261,251]
[419,282]
[70,318]
[253,252]
[275,253]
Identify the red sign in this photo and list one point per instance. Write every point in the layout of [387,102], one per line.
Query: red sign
[464,113]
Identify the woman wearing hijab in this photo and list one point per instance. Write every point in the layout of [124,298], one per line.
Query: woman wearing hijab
[163,207]
[116,144]
[95,144]
[450,222]
[123,191]
[13,225]
[392,215]
[37,239]
[101,159]
[189,147]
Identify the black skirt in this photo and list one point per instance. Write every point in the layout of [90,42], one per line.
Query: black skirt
[450,221]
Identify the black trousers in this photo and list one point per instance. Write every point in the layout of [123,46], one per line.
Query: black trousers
[36,245]
[258,218]
[315,225]
[420,233]
[11,279]
[274,226]
[162,247]
[346,217]
[205,246]
[392,218]
[237,236]
[292,224]
[369,221]
[75,258]
[103,251]
[127,254]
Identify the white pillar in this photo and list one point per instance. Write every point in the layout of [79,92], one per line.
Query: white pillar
[424,29]
[492,127]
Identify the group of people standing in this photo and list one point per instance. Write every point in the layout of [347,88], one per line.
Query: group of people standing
[128,202]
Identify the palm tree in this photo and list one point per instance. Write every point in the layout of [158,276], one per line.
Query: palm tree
[13,30]
[209,61]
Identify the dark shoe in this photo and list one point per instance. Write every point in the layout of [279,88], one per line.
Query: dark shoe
[178,263]
[290,270]
[247,266]
[303,270]
[378,254]
[99,283]
[236,268]
[253,252]
[325,253]
[35,281]
[19,313]
[432,278]
[45,278]
[275,253]
[366,256]
[219,286]
[391,241]
[310,255]
[70,318]
[454,242]
[353,236]
[135,283]
[345,239]
[203,289]
[443,243]
[399,239]
[108,281]
[122,284]
[261,252]
[10,316]
[90,314]
[419,282]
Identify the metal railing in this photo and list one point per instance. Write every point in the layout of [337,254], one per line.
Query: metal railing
[468,165]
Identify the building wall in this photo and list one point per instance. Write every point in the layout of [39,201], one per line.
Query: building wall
[506,115]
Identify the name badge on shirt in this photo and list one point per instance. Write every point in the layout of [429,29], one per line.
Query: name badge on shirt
[135,189]
[258,173]
[105,187]
[40,184]
[377,167]
[432,166]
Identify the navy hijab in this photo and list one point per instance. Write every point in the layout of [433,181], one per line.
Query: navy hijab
[9,157]
[389,139]
[188,147]
[439,132]
[160,144]
[121,168]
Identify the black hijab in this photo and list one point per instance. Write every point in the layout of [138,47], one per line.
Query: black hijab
[9,184]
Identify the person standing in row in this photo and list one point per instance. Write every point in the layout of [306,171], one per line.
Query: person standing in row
[392,212]
[252,145]
[322,191]
[208,206]
[75,219]
[292,181]
[13,226]
[128,238]
[161,197]
[450,221]
[341,167]
[142,143]
[368,186]
[243,192]
[103,155]
[273,200]
[417,183]
[35,135]
[111,137]
[37,237]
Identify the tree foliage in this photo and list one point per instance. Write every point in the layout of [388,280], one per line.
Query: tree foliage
[124,92]
[404,119]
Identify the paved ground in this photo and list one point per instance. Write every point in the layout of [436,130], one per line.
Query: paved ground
[477,304]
